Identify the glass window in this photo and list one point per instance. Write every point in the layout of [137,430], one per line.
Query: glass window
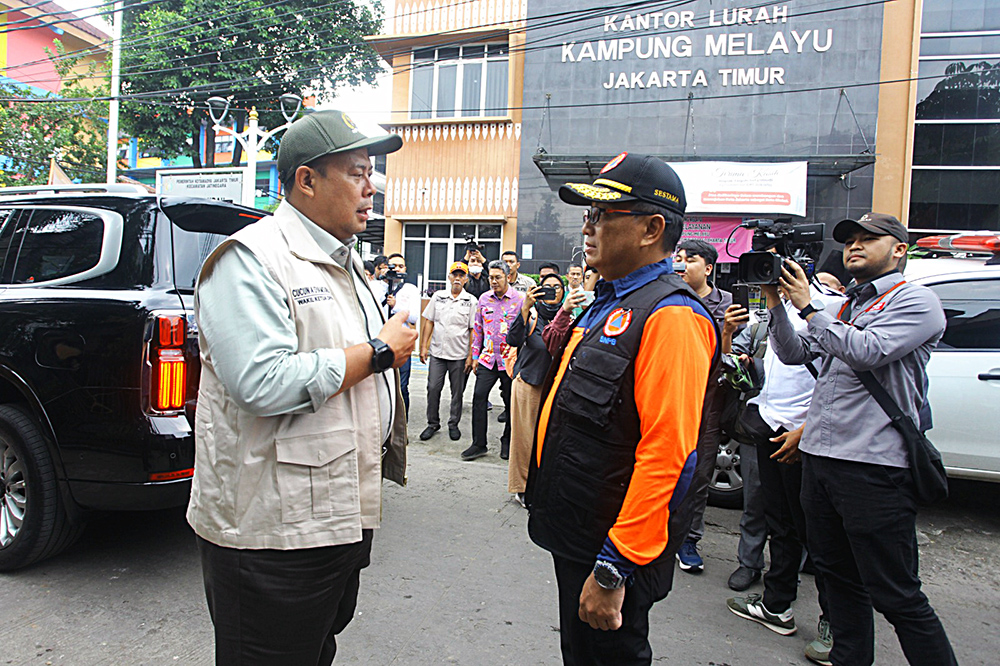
[469,81]
[439,230]
[960,15]
[414,230]
[957,145]
[953,199]
[973,311]
[437,267]
[959,46]
[463,230]
[958,90]
[191,249]
[413,252]
[423,92]
[57,243]
[489,231]
[7,221]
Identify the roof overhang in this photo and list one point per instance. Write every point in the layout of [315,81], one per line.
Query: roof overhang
[572,166]
[390,46]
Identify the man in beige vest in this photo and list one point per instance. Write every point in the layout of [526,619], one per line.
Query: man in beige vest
[299,412]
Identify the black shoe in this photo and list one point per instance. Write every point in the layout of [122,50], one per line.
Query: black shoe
[429,432]
[504,451]
[473,452]
[743,578]
[502,418]
[454,433]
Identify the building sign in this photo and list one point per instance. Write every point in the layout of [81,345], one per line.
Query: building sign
[666,42]
[744,187]
[224,184]
[722,233]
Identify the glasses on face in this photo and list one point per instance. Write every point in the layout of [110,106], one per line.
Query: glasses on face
[593,215]
[497,278]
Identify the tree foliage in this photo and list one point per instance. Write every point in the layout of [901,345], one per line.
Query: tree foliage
[75,133]
[178,53]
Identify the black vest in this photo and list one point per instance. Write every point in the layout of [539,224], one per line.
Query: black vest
[593,431]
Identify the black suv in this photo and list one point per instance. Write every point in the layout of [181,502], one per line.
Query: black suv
[98,355]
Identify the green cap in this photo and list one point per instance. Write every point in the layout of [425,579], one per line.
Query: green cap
[325,133]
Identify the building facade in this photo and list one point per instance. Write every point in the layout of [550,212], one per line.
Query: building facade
[885,106]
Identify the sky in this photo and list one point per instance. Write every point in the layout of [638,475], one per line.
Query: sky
[368,106]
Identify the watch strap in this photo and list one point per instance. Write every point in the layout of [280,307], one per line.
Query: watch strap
[808,310]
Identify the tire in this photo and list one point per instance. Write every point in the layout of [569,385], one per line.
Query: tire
[33,520]
[725,487]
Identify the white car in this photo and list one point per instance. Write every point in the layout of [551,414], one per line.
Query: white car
[964,369]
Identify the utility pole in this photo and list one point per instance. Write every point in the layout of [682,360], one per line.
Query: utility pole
[116,64]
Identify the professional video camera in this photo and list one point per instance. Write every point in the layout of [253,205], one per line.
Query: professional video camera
[393,279]
[471,245]
[802,243]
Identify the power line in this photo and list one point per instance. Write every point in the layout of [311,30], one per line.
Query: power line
[47,24]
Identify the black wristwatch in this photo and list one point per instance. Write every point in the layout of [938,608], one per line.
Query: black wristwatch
[607,575]
[808,310]
[383,357]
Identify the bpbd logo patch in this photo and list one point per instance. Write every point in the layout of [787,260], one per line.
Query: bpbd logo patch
[617,322]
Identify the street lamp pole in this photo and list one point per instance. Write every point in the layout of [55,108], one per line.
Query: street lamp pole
[253,139]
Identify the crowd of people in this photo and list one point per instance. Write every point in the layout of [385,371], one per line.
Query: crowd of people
[614,397]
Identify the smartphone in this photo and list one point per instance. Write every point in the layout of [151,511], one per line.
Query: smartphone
[741,296]
[547,293]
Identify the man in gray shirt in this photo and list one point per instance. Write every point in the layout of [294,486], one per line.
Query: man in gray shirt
[857,491]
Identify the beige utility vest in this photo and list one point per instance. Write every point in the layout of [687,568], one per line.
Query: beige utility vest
[295,480]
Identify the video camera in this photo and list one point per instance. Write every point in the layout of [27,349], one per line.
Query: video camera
[394,279]
[802,244]
[471,245]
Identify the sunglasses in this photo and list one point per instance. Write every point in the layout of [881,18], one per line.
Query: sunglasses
[593,214]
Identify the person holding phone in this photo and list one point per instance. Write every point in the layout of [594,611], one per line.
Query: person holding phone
[533,360]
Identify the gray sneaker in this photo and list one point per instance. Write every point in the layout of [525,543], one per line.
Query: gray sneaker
[751,607]
[819,650]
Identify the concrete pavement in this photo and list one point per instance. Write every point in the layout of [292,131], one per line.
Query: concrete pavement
[454,579]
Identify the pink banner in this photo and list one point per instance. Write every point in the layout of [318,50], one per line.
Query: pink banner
[716,231]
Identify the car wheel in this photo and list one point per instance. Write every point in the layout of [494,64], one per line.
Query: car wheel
[33,520]
[725,487]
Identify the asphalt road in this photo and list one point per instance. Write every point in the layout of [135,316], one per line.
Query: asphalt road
[454,579]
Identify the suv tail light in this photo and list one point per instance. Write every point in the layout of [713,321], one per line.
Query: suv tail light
[169,376]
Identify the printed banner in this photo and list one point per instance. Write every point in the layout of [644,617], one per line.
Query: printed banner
[744,187]
[717,231]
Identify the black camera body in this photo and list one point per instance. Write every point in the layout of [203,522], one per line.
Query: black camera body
[802,244]
[471,245]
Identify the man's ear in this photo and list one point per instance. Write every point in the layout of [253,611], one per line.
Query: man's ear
[656,225]
[899,250]
[709,268]
[305,180]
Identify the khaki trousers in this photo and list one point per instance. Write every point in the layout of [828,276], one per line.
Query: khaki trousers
[524,403]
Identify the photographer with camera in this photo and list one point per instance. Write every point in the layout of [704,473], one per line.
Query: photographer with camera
[401,296]
[858,493]
[479,281]
[528,374]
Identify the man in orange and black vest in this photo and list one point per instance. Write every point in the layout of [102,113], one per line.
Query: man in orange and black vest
[615,447]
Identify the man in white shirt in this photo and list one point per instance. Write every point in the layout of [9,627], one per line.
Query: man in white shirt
[402,296]
[521,283]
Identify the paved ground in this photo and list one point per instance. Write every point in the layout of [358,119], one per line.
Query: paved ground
[454,579]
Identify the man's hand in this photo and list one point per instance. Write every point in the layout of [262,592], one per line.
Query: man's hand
[470,365]
[770,294]
[795,283]
[424,353]
[574,300]
[600,608]
[788,453]
[401,338]
[736,316]
[390,300]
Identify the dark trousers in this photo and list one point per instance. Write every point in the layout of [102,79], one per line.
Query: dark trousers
[485,380]
[279,607]
[437,368]
[708,453]
[862,537]
[627,646]
[404,385]
[781,485]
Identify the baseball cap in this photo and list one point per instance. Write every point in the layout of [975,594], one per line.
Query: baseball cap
[630,177]
[877,223]
[458,266]
[324,133]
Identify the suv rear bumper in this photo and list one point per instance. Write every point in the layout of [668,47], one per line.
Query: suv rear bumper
[102,496]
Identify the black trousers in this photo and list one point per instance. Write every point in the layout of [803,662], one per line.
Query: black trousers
[627,646]
[781,485]
[281,607]
[486,378]
[862,537]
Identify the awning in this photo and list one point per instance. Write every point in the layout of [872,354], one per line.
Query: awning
[570,166]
